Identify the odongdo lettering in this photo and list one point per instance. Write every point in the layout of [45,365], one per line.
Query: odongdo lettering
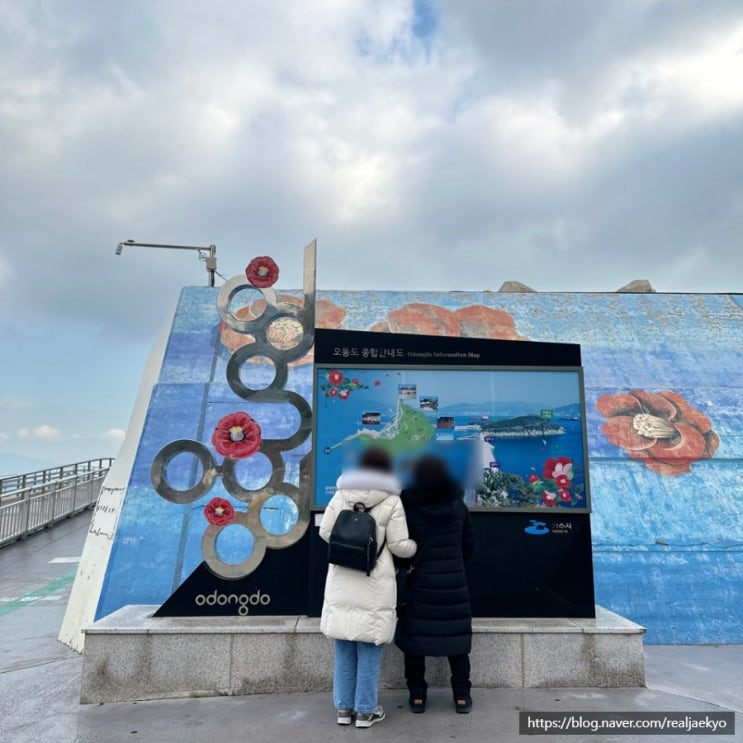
[241,600]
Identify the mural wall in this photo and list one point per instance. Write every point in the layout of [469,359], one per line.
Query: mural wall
[665,439]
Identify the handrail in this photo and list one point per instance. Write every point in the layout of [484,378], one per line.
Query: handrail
[14,483]
[48,496]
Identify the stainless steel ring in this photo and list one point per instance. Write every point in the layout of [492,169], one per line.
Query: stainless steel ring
[168,452]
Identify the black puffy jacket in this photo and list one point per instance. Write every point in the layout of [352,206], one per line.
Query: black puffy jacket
[437,620]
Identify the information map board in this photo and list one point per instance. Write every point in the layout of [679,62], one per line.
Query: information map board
[507,416]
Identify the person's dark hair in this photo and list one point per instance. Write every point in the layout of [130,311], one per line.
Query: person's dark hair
[377,459]
[431,474]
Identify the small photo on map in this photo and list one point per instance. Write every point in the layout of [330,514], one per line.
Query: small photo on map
[445,421]
[429,403]
[371,419]
[407,391]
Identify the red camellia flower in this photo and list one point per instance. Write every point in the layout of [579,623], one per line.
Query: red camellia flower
[343,394]
[262,272]
[533,478]
[475,321]
[335,377]
[237,436]
[549,498]
[332,391]
[660,428]
[562,481]
[553,468]
[219,511]
[564,495]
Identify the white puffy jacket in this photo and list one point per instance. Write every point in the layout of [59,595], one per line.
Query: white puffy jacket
[357,606]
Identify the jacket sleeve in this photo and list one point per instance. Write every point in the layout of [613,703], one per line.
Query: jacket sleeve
[398,540]
[329,517]
[469,541]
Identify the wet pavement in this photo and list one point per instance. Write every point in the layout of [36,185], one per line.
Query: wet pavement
[40,682]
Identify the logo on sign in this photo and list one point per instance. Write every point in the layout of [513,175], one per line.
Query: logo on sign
[243,600]
[537,527]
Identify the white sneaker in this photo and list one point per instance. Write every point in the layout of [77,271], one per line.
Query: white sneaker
[345,716]
[367,719]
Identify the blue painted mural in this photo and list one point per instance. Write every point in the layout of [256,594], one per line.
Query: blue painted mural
[664,396]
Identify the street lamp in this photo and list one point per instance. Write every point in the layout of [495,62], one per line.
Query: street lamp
[207,254]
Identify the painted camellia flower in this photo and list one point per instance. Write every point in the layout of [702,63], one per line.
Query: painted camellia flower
[219,511]
[549,498]
[473,321]
[335,377]
[560,467]
[660,428]
[285,332]
[237,436]
[562,481]
[262,272]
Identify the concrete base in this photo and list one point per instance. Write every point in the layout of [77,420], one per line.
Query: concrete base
[130,655]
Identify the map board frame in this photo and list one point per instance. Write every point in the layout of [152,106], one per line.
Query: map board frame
[551,478]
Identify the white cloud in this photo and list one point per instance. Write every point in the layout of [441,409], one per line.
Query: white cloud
[44,432]
[114,434]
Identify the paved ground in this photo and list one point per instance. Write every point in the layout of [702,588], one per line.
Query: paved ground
[40,683]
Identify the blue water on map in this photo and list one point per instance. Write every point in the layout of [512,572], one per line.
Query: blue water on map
[463,450]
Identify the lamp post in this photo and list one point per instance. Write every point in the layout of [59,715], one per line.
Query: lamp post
[206,254]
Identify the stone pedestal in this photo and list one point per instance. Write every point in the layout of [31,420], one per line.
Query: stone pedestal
[130,655]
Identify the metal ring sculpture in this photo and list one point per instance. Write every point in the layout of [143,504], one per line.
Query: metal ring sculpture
[261,273]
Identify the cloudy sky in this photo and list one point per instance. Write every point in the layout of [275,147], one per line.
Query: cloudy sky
[572,145]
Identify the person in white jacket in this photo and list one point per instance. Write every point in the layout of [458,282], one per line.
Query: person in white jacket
[359,610]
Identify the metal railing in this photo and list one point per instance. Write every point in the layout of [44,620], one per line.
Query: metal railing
[36,500]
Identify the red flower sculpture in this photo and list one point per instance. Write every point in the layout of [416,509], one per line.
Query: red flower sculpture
[219,511]
[262,272]
[237,436]
[660,428]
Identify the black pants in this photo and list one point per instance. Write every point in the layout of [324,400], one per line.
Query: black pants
[415,672]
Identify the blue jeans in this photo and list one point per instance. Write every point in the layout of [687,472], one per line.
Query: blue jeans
[356,675]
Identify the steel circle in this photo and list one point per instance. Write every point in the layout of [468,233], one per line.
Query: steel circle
[304,344]
[239,357]
[232,484]
[162,459]
[228,570]
[305,423]
[280,541]
[227,293]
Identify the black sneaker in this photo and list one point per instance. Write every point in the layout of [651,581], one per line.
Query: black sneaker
[345,716]
[367,719]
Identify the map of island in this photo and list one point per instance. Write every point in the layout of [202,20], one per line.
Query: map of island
[495,429]
[406,432]
[524,425]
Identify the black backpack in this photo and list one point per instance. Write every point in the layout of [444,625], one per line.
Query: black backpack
[353,540]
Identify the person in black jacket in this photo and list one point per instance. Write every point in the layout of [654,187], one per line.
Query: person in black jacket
[437,618]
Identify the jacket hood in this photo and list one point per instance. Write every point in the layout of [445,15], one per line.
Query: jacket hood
[369,487]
